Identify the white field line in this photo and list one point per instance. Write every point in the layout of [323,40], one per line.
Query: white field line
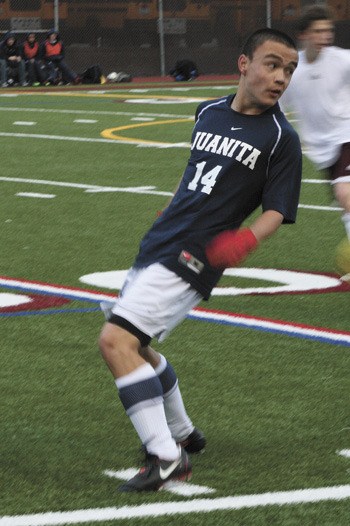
[24,123]
[85,121]
[91,140]
[344,453]
[143,119]
[118,89]
[126,141]
[323,208]
[95,112]
[185,489]
[317,181]
[33,194]
[137,190]
[88,187]
[159,509]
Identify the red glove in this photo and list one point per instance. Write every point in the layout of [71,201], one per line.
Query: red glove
[230,247]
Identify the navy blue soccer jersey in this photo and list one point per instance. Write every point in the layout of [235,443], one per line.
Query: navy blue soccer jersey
[238,162]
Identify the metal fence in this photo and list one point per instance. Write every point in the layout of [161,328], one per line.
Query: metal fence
[146,38]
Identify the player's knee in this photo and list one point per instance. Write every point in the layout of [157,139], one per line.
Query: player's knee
[342,194]
[116,344]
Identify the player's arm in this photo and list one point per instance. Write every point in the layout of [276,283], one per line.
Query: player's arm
[266,224]
[231,247]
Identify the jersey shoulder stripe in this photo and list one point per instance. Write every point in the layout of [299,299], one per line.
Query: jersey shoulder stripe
[279,134]
[209,104]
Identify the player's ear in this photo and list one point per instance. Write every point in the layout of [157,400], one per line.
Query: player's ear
[243,61]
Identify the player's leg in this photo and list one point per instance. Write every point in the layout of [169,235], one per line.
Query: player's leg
[141,394]
[342,194]
[180,424]
[139,389]
[340,176]
[145,309]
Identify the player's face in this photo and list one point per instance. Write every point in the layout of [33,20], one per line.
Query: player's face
[267,74]
[318,35]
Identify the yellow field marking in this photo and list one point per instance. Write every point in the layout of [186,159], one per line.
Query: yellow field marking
[110,132]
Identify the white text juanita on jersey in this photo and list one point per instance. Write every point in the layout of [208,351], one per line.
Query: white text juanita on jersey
[245,153]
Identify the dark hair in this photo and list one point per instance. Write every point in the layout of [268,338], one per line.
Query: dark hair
[261,36]
[312,13]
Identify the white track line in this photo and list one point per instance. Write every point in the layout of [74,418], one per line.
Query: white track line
[159,509]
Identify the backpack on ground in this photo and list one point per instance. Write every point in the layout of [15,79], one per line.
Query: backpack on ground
[184,70]
[92,75]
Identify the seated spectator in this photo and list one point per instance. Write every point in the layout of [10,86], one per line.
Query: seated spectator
[31,57]
[52,53]
[11,63]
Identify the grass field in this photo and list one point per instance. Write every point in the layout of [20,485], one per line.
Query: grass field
[83,175]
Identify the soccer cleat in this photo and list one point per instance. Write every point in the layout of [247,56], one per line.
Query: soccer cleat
[153,475]
[195,442]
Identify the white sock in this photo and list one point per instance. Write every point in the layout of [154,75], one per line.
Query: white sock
[177,418]
[346,221]
[141,394]
[151,426]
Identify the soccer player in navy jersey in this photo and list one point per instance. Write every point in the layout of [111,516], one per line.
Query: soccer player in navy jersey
[244,154]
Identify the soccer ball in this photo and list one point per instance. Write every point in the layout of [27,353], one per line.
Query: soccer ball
[112,77]
[342,256]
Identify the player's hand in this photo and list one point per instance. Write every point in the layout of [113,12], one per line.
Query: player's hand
[231,247]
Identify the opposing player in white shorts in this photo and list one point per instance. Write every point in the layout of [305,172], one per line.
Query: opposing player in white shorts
[319,96]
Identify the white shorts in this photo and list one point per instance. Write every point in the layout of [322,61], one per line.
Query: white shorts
[154,300]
